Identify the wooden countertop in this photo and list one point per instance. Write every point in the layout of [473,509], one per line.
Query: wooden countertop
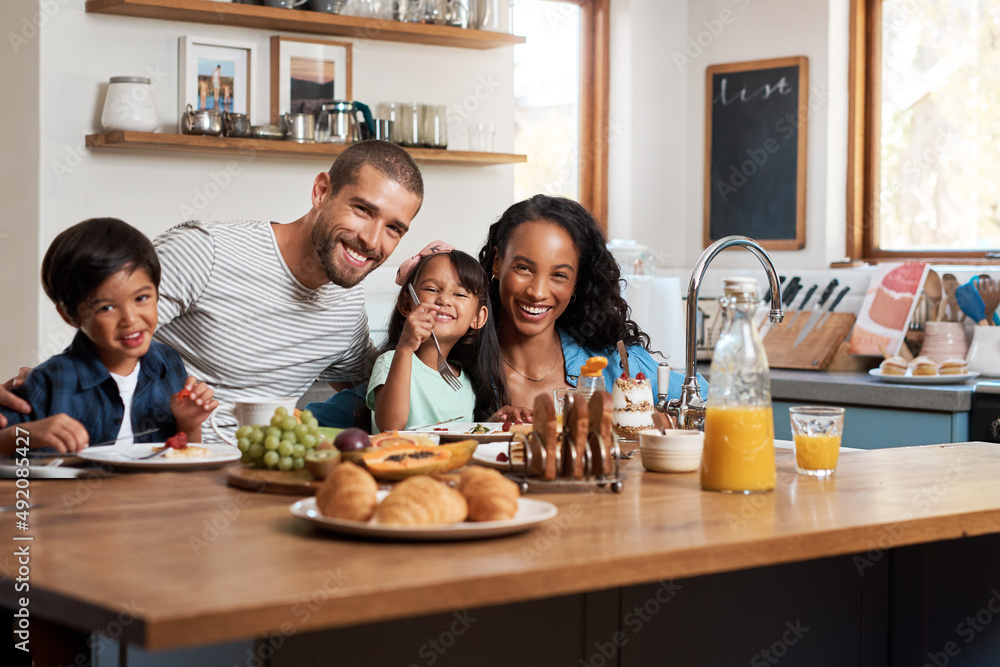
[186,560]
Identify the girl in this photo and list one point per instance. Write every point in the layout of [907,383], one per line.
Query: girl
[405,387]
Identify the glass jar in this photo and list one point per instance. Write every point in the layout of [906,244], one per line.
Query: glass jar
[739,423]
[591,377]
[129,105]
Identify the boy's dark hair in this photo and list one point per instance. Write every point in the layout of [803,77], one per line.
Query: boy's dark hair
[478,351]
[394,162]
[88,253]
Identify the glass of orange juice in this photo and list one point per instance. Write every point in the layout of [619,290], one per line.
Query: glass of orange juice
[559,396]
[817,431]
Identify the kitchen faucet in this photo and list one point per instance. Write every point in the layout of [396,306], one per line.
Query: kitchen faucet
[688,411]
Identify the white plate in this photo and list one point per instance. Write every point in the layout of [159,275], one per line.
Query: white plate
[922,379]
[460,431]
[125,457]
[529,514]
[486,455]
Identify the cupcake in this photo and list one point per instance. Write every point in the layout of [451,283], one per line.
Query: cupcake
[923,366]
[954,367]
[893,366]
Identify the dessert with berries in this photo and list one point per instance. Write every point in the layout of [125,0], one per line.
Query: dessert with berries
[633,406]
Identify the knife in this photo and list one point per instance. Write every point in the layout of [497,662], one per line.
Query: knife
[817,312]
[802,305]
[833,306]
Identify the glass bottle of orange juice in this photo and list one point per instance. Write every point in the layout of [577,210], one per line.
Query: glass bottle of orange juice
[739,425]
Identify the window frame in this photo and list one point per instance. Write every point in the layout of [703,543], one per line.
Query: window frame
[595,66]
[863,143]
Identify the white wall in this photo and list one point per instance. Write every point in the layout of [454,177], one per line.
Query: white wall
[657,171]
[74,58]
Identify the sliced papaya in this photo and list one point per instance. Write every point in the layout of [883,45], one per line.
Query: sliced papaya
[390,438]
[461,453]
[401,461]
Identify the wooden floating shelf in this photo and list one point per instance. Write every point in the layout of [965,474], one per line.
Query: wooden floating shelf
[189,143]
[296,20]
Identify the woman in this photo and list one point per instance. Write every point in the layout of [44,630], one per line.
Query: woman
[556,293]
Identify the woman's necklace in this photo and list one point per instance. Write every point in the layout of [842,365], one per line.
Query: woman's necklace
[528,377]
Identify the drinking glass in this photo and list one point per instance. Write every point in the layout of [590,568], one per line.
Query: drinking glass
[817,431]
[481,137]
[560,396]
[411,121]
[435,126]
[392,111]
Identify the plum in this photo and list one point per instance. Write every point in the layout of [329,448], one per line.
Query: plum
[351,440]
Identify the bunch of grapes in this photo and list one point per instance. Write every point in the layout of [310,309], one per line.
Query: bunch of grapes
[281,446]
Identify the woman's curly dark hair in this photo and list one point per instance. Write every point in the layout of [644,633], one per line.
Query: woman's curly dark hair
[599,317]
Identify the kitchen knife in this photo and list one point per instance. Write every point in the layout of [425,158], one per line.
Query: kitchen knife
[817,312]
[802,305]
[833,306]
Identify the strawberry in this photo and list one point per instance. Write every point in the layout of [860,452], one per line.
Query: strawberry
[182,394]
[179,441]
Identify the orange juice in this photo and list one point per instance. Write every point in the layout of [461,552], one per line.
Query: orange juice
[816,452]
[739,450]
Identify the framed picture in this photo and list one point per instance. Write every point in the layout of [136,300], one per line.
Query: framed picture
[306,73]
[755,151]
[217,74]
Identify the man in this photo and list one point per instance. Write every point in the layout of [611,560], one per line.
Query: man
[257,308]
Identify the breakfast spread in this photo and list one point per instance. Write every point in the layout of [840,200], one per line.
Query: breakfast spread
[633,406]
[348,492]
[954,367]
[893,366]
[923,366]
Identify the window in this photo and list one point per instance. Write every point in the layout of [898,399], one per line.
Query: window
[561,100]
[924,163]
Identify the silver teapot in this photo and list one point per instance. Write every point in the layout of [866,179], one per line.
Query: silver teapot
[201,121]
[338,123]
[236,124]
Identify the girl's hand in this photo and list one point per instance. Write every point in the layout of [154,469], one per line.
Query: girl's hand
[418,327]
[509,413]
[60,432]
[192,404]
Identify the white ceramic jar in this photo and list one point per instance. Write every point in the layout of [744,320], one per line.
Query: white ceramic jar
[129,105]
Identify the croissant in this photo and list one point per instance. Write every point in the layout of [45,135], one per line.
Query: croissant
[491,496]
[348,493]
[422,501]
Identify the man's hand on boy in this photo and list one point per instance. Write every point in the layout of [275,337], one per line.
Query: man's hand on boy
[192,404]
[59,432]
[11,401]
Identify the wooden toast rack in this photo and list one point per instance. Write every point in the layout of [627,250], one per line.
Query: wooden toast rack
[582,454]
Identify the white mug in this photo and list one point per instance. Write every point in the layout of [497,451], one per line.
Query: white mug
[984,353]
[251,411]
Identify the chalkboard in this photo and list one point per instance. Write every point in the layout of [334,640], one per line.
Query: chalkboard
[755,151]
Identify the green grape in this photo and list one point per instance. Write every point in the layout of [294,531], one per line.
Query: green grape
[298,451]
[281,412]
[273,430]
[257,435]
[285,448]
[243,431]
[271,459]
[276,421]
[301,431]
[313,425]
[285,463]
[288,424]
[256,452]
[243,444]
[298,464]
[289,436]
[271,443]
[309,441]
[306,415]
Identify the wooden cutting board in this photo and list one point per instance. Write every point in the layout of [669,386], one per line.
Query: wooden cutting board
[288,482]
[816,350]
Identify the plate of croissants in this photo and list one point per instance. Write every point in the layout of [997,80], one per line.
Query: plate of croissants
[483,504]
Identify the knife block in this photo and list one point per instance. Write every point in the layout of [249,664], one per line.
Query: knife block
[816,350]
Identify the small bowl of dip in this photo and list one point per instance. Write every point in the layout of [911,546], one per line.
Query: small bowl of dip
[679,450]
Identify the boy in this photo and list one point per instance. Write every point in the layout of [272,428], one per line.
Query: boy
[112,381]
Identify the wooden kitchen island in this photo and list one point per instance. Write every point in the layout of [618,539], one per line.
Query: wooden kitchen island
[820,571]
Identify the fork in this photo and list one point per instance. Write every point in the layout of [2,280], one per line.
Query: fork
[443,367]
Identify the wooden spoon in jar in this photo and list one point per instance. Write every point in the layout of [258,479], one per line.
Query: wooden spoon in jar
[932,289]
[949,283]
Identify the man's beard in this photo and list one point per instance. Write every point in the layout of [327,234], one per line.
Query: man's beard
[339,274]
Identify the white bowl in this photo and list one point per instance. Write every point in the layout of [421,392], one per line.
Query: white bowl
[677,451]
